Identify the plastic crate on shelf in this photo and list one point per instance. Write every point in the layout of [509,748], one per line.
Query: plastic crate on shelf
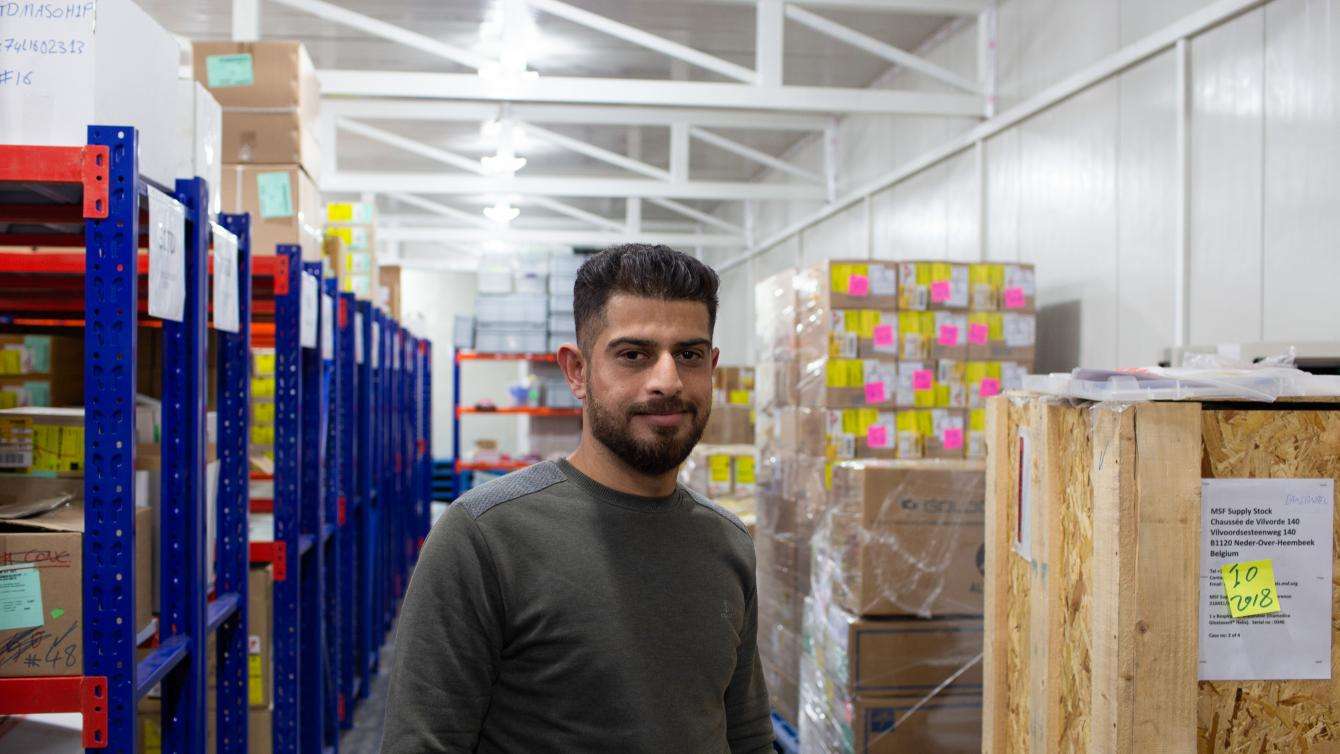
[511,308]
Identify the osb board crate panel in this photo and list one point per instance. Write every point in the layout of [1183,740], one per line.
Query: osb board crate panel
[1043,648]
[1272,716]
[1091,640]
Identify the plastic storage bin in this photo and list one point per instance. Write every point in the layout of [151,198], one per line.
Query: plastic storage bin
[463,331]
[557,339]
[518,308]
[531,282]
[503,340]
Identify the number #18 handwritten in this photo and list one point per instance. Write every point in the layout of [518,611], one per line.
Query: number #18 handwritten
[1250,587]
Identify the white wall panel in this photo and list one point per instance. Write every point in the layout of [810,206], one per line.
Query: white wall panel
[1067,226]
[1147,193]
[962,220]
[1226,140]
[1140,18]
[1003,198]
[918,219]
[1302,171]
[735,311]
[842,236]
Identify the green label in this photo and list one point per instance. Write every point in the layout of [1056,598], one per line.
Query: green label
[229,70]
[276,194]
[20,598]
[39,352]
[39,393]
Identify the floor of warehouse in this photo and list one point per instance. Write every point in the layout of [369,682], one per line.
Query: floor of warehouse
[366,735]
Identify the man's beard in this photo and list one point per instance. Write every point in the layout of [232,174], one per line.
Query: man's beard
[665,452]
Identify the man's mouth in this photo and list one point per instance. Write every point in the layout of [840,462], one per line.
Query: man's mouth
[668,419]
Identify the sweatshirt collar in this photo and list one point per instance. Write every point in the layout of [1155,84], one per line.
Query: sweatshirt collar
[615,497]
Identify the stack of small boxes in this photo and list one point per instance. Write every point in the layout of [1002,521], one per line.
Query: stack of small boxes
[271,158]
[262,409]
[350,247]
[867,359]
[562,278]
[41,370]
[512,307]
[722,465]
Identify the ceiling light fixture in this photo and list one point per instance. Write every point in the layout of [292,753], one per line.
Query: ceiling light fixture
[502,213]
[505,161]
[514,32]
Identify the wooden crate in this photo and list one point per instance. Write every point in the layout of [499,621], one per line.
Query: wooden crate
[1091,640]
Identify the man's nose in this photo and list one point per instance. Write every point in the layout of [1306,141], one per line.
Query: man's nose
[664,378]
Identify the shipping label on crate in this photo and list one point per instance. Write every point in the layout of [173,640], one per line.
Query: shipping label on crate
[1287,522]
[308,319]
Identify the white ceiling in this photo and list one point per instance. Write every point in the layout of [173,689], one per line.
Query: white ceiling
[725,30]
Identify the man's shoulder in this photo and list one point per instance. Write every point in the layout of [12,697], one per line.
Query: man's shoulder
[704,502]
[513,486]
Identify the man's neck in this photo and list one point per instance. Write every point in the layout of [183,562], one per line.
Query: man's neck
[595,460]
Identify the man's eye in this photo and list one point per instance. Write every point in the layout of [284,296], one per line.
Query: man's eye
[690,356]
[631,355]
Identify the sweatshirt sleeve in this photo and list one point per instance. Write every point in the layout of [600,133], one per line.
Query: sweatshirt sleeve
[448,643]
[748,713]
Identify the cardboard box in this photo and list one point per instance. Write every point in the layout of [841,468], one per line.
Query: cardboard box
[729,425]
[90,63]
[41,370]
[1002,287]
[931,433]
[914,725]
[949,335]
[271,100]
[775,317]
[47,597]
[1003,336]
[906,538]
[43,440]
[260,732]
[199,137]
[848,433]
[848,383]
[925,286]
[851,334]
[895,656]
[776,384]
[389,295]
[290,214]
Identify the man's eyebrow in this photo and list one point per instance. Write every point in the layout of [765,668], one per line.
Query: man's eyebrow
[646,343]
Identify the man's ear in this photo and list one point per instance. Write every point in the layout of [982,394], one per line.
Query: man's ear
[573,363]
[716,356]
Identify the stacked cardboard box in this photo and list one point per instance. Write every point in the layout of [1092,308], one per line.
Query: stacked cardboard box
[893,627]
[262,409]
[351,248]
[270,99]
[868,360]
[41,370]
[725,473]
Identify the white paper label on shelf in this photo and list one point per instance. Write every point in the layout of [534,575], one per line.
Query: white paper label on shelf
[883,280]
[358,337]
[307,318]
[225,293]
[376,345]
[1286,521]
[327,327]
[167,256]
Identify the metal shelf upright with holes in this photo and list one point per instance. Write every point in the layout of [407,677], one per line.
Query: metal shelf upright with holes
[92,197]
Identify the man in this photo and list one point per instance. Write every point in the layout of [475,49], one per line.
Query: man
[592,604]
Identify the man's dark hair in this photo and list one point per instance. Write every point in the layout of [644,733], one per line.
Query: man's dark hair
[643,270]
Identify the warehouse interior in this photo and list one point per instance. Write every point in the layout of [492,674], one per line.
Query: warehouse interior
[1026,375]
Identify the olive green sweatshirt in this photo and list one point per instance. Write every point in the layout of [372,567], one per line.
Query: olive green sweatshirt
[549,613]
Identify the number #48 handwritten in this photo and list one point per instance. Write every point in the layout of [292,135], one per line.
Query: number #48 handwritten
[1250,588]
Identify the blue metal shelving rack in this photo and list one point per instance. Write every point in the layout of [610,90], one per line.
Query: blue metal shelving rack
[348,536]
[97,188]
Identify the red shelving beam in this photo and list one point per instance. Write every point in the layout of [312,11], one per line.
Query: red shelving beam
[520,410]
[483,356]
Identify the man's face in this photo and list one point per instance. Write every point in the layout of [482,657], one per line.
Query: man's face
[648,380]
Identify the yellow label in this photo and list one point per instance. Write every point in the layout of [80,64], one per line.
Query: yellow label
[977,420]
[345,234]
[57,448]
[340,212]
[71,456]
[263,388]
[840,277]
[718,469]
[1250,588]
[923,273]
[844,373]
[151,734]
[744,469]
[740,397]
[15,430]
[995,326]
[940,271]
[262,414]
[255,681]
[265,364]
[9,398]
[263,435]
[906,421]
[916,323]
[979,274]
[11,361]
[828,475]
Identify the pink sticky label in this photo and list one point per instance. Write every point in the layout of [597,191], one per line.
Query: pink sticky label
[923,379]
[874,392]
[990,386]
[883,335]
[1014,298]
[978,334]
[952,438]
[948,335]
[940,291]
[877,436]
[858,285]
